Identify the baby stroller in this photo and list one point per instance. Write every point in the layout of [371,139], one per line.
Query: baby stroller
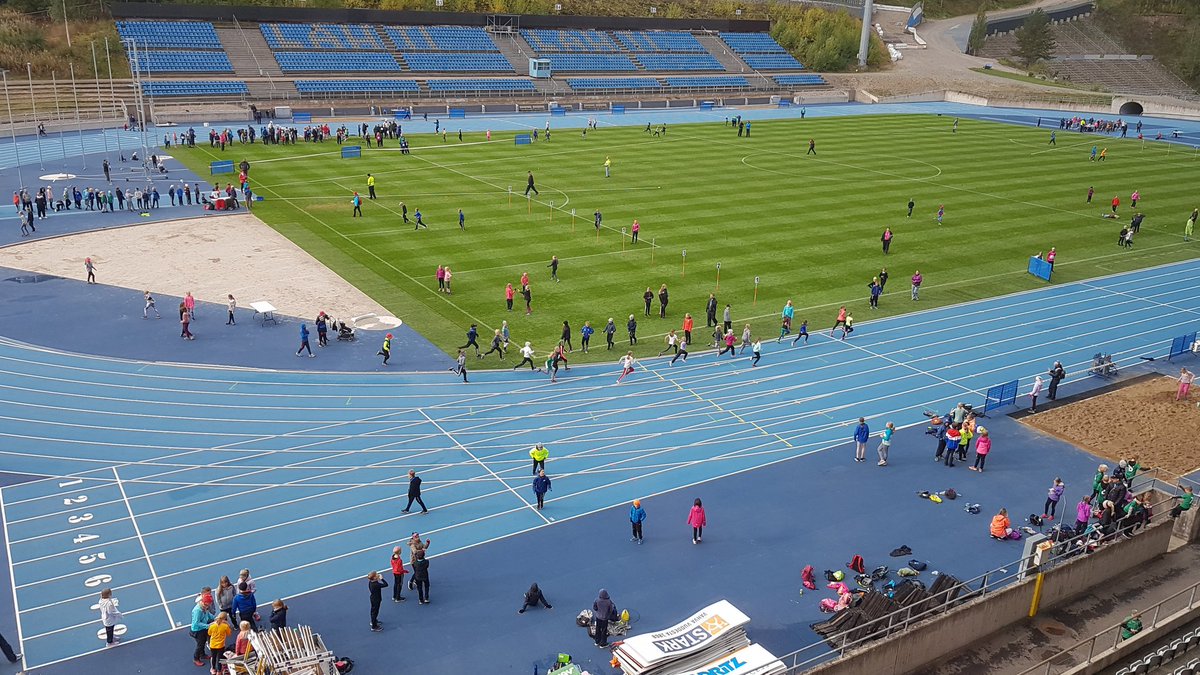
[345,333]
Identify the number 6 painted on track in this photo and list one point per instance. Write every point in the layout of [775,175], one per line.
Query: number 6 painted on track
[92,582]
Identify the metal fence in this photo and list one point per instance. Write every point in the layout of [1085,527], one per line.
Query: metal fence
[1085,650]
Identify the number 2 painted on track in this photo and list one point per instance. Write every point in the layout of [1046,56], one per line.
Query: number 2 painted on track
[69,501]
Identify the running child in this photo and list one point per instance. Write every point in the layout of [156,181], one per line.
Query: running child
[627,365]
[801,332]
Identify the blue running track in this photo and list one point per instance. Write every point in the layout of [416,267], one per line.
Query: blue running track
[134,467]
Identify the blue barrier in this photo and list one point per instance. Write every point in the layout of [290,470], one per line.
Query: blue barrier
[403,114]
[1000,396]
[783,103]
[457,113]
[299,117]
[351,151]
[223,166]
[618,110]
[522,139]
[558,112]
[1040,268]
[1181,345]
[707,105]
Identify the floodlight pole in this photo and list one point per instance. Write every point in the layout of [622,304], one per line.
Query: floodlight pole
[12,128]
[864,42]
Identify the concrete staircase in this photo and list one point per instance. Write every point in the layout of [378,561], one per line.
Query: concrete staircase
[720,51]
[253,61]
[515,49]
[248,52]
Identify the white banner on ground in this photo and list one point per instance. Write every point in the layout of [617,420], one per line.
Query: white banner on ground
[720,627]
[752,660]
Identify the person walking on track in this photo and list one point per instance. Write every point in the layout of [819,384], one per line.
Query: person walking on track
[414,492]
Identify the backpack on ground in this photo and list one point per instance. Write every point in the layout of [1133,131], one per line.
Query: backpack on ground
[901,551]
[344,664]
[951,494]
[1035,519]
[857,564]
[917,565]
[879,573]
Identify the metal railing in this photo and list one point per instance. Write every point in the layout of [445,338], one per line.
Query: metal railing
[1082,652]
[977,587]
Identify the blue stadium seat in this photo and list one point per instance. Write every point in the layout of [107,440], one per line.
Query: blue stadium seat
[177,62]
[612,83]
[771,61]
[485,85]
[321,36]
[546,40]
[590,63]
[679,62]
[336,61]
[799,80]
[441,38]
[194,88]
[355,86]
[458,61]
[170,34]
[708,82]
[659,41]
[752,43]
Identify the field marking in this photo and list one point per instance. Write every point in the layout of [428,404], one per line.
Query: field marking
[561,208]
[13,580]
[483,466]
[137,530]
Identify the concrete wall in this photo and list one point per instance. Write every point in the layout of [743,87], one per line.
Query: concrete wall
[956,629]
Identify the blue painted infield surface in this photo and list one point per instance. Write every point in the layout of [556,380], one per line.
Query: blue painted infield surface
[298,476]
[107,321]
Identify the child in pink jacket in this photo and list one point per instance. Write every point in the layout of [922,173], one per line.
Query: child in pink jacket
[697,520]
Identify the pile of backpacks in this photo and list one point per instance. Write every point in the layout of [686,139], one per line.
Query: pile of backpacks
[868,606]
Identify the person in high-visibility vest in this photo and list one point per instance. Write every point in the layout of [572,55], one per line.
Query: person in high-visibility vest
[539,453]
[371,186]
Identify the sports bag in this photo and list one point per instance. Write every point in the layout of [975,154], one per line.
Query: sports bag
[857,564]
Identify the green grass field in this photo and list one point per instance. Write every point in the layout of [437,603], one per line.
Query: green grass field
[808,226]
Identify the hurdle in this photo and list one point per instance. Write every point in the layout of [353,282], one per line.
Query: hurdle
[457,113]
[300,117]
[558,111]
[522,139]
[618,109]
[1000,396]
[1040,268]
[351,151]
[1183,345]
[402,114]
[222,166]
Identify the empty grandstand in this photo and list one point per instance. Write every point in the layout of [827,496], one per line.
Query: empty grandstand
[282,59]
[1085,54]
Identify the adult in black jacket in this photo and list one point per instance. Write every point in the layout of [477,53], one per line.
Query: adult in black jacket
[420,570]
[532,598]
[603,611]
[1057,373]
[414,492]
[710,311]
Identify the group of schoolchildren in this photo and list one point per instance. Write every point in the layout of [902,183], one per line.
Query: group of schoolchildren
[954,432]
[1111,508]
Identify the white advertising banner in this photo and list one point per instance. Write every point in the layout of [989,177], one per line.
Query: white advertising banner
[752,660]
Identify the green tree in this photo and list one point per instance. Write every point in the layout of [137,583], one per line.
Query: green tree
[1034,39]
[978,32]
